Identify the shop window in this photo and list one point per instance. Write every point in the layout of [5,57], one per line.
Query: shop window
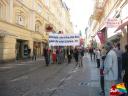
[20,20]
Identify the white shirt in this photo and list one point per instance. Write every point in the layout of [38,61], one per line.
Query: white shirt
[98,55]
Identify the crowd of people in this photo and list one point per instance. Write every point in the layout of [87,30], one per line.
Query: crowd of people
[113,65]
[59,55]
[111,61]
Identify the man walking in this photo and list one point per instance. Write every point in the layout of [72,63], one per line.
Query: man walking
[34,54]
[46,56]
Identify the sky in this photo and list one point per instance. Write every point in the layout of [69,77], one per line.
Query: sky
[80,11]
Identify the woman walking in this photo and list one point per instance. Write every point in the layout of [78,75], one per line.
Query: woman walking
[54,56]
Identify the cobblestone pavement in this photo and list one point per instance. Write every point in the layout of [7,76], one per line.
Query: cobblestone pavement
[35,79]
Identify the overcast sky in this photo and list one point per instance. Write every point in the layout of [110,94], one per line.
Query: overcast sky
[80,11]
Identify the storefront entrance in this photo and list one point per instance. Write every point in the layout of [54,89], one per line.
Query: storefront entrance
[21,49]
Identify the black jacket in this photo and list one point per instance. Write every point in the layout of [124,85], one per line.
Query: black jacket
[125,65]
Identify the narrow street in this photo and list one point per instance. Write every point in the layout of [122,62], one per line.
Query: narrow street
[35,79]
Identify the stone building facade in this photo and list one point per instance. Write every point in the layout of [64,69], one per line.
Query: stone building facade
[106,9]
[25,24]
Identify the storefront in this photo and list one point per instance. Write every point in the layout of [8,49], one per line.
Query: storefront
[22,49]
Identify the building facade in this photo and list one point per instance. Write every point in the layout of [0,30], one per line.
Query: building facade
[25,24]
[109,9]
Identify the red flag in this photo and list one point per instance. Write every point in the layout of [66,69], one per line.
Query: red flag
[101,37]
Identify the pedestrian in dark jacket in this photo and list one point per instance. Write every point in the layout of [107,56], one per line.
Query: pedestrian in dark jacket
[91,52]
[34,53]
[76,56]
[46,56]
[69,54]
[125,67]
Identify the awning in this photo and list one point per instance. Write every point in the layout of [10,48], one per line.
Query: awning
[122,25]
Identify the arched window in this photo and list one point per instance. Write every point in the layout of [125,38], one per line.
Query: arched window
[38,26]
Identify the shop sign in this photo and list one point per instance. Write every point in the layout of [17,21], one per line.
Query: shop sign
[113,22]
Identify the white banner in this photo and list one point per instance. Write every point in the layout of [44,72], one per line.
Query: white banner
[113,22]
[64,39]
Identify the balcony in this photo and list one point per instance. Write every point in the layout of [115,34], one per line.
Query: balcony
[99,9]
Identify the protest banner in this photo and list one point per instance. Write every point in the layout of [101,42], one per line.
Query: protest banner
[64,39]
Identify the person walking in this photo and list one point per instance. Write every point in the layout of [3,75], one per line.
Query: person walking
[58,53]
[34,54]
[46,56]
[54,56]
[94,54]
[119,53]
[125,67]
[76,56]
[81,56]
[103,55]
[69,55]
[91,52]
[110,68]
[98,57]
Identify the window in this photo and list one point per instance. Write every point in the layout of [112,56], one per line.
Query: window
[47,2]
[20,20]
[37,26]
[40,9]
[0,11]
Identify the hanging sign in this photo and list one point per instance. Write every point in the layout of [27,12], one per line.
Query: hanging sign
[113,22]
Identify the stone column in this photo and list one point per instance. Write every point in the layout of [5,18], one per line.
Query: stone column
[9,48]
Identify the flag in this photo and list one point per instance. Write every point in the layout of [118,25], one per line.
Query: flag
[80,33]
[101,36]
[118,89]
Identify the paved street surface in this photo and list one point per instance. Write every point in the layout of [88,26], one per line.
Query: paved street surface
[35,79]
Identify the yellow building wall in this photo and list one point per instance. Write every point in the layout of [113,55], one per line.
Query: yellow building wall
[29,9]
